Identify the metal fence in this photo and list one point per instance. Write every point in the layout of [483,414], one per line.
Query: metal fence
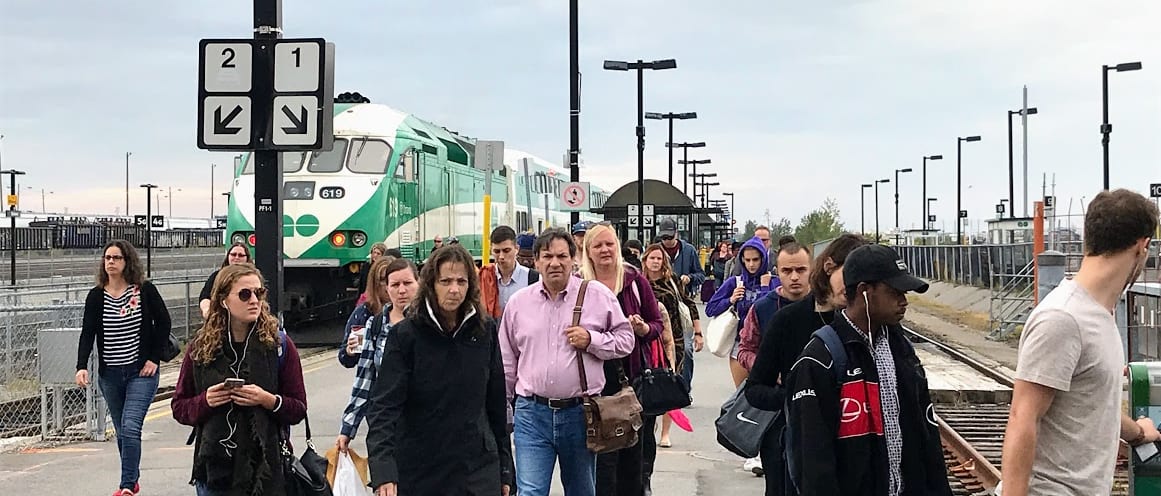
[30,406]
[53,268]
[72,236]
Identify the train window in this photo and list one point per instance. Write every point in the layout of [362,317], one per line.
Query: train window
[329,161]
[369,156]
[405,170]
[291,162]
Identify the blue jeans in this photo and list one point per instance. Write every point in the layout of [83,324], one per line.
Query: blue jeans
[542,435]
[687,364]
[128,396]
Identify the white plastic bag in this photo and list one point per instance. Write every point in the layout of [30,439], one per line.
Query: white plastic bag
[347,480]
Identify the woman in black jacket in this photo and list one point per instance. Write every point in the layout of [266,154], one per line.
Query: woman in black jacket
[128,319]
[438,413]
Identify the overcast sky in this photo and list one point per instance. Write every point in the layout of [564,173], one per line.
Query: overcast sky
[798,101]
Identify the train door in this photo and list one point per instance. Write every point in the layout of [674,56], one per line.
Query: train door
[406,180]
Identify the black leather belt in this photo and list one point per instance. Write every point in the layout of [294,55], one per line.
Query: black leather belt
[556,404]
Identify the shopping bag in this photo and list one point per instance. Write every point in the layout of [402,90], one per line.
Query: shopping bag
[347,480]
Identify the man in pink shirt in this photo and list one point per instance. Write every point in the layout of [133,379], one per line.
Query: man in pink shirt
[539,345]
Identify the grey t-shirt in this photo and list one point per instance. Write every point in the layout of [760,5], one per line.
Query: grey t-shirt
[1071,344]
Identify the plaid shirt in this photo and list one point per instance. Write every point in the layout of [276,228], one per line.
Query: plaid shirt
[370,357]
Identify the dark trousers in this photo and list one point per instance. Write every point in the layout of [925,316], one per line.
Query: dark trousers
[619,472]
[774,463]
[648,444]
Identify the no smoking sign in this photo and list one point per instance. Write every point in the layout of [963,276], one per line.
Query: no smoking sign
[574,197]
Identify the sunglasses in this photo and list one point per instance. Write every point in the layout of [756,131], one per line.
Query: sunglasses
[111,258]
[666,237]
[244,294]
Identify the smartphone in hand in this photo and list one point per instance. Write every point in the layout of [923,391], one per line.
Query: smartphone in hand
[234,383]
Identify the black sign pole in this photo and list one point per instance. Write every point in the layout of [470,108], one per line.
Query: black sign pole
[268,163]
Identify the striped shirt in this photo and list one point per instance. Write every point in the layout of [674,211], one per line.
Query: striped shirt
[121,319]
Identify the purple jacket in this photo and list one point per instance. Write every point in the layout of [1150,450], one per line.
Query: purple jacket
[637,297]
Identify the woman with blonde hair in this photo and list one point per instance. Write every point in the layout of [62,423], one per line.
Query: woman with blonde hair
[620,473]
[240,387]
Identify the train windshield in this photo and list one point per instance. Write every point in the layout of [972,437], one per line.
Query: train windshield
[328,161]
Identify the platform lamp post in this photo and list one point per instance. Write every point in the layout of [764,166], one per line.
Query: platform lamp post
[927,222]
[701,183]
[730,194]
[926,210]
[959,185]
[148,228]
[670,116]
[685,160]
[877,181]
[694,163]
[863,209]
[1011,159]
[12,173]
[897,172]
[640,66]
[1106,128]
[705,192]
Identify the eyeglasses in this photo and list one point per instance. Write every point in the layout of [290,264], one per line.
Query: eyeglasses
[112,258]
[244,294]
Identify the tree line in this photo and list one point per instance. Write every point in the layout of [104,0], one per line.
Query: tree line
[820,224]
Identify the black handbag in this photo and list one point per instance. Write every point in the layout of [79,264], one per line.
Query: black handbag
[658,389]
[305,475]
[170,349]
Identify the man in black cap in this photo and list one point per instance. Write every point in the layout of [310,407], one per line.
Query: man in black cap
[683,256]
[859,415]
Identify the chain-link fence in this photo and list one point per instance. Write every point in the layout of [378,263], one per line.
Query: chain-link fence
[38,356]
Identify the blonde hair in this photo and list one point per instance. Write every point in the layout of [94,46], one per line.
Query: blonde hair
[588,272]
[209,340]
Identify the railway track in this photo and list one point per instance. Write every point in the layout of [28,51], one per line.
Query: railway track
[973,434]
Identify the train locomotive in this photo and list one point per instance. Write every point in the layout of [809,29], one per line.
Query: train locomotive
[395,178]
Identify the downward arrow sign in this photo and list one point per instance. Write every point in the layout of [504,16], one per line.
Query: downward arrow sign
[298,123]
[221,125]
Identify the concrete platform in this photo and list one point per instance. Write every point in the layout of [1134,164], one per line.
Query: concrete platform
[951,381]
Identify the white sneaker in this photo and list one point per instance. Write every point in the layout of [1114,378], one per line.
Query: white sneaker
[754,465]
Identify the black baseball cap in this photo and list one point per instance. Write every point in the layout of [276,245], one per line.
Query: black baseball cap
[878,263]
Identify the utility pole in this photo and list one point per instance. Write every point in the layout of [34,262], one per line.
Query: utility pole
[574,99]
[148,228]
[12,213]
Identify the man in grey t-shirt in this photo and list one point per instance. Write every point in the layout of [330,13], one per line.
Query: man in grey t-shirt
[1066,416]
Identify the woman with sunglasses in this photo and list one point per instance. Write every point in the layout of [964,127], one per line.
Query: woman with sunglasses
[388,296]
[240,387]
[237,254]
[128,319]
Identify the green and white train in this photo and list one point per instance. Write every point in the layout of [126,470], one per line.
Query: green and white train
[395,178]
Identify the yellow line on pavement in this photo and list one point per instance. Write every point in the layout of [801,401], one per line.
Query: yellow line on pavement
[165,411]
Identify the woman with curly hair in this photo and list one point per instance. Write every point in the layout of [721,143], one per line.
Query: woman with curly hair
[125,314]
[240,387]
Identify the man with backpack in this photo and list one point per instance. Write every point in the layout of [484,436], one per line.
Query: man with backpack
[859,415]
[503,278]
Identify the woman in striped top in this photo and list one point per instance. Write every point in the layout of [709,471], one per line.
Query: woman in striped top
[128,319]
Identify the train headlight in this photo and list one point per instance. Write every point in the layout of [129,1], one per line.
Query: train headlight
[252,239]
[293,192]
[358,239]
[238,238]
[338,239]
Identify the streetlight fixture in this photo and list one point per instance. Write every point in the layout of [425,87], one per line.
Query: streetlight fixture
[1106,128]
[897,172]
[148,228]
[671,116]
[685,160]
[1011,164]
[12,213]
[863,209]
[640,66]
[694,163]
[877,239]
[926,210]
[959,213]
[696,184]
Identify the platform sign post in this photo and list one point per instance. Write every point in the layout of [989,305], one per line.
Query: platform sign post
[269,95]
[489,157]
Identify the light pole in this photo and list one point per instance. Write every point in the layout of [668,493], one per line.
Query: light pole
[1106,128]
[863,209]
[705,192]
[12,218]
[670,116]
[928,222]
[148,228]
[694,163]
[877,239]
[926,209]
[640,66]
[897,171]
[127,154]
[959,217]
[1011,163]
[685,161]
[733,213]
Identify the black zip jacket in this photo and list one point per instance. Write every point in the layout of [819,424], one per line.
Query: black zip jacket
[837,443]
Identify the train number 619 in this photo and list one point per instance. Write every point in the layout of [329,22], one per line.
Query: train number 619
[331,193]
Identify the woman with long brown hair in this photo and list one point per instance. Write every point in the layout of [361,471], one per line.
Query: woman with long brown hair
[125,314]
[360,317]
[439,407]
[240,387]
[394,286]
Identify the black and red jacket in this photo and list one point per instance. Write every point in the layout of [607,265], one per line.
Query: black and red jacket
[837,444]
